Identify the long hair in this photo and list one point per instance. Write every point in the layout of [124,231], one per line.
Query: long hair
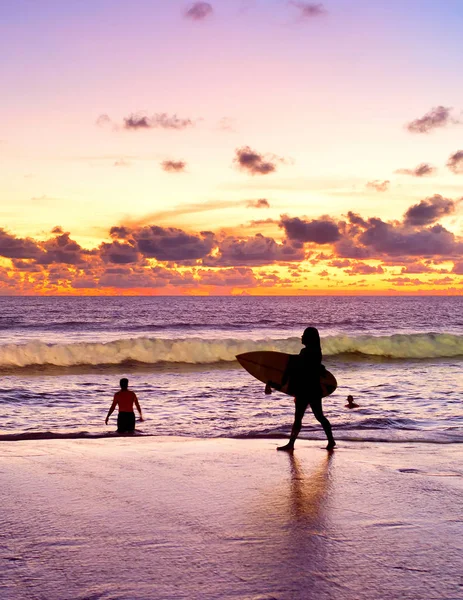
[311,339]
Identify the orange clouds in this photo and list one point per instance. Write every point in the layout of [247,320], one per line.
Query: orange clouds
[153,259]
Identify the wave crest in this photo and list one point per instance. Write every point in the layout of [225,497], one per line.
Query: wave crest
[208,351]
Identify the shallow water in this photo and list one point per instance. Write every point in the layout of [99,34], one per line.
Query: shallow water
[401,359]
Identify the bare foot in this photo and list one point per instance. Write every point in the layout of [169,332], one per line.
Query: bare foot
[331,445]
[286,448]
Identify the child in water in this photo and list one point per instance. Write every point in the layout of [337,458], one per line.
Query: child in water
[351,403]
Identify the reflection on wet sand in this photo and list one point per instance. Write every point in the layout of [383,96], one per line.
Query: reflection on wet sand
[291,537]
[308,494]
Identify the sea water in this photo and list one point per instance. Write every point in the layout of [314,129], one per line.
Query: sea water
[61,360]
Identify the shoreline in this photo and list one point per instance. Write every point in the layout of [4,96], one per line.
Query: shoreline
[229,518]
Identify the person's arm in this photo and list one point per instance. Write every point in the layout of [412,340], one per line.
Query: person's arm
[135,400]
[284,380]
[111,410]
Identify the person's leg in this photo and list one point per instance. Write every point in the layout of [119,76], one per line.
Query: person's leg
[131,422]
[316,406]
[301,406]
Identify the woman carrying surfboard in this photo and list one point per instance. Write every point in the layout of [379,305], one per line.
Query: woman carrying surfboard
[303,377]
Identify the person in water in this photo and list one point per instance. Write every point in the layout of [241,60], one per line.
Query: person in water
[303,375]
[351,403]
[125,398]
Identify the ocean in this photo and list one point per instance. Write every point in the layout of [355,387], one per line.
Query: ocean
[61,360]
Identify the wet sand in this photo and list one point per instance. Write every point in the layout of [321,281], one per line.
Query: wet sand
[161,518]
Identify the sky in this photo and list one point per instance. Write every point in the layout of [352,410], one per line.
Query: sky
[231,147]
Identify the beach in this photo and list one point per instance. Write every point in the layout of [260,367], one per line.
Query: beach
[151,518]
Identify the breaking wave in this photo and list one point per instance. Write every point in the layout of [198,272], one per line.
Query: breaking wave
[152,351]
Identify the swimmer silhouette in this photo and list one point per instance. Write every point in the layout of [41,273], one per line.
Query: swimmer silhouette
[303,374]
[351,403]
[125,398]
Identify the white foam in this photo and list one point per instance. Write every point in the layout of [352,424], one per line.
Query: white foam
[208,351]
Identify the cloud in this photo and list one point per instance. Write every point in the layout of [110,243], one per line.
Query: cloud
[317,231]
[256,251]
[253,162]
[439,116]
[422,170]
[199,11]
[172,244]
[455,162]
[119,253]
[260,203]
[308,10]
[121,233]
[173,166]
[236,277]
[14,247]
[387,238]
[185,209]
[138,121]
[61,249]
[379,186]
[103,121]
[429,210]
[122,163]
[364,269]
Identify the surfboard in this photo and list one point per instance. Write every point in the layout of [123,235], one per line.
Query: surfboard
[270,366]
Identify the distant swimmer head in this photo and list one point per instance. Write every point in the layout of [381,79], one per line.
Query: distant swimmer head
[124,383]
[311,337]
[350,399]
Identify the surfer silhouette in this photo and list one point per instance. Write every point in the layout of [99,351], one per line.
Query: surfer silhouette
[125,399]
[303,375]
[351,403]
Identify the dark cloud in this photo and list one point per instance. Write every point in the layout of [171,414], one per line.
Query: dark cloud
[121,233]
[439,116]
[379,186]
[317,231]
[173,166]
[349,248]
[253,162]
[172,244]
[199,11]
[356,219]
[261,203]
[119,253]
[422,170]
[14,247]
[256,251]
[390,239]
[428,211]
[455,162]
[458,268]
[308,10]
[57,230]
[26,265]
[158,121]
[61,249]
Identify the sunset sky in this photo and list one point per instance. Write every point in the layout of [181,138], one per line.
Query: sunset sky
[231,146]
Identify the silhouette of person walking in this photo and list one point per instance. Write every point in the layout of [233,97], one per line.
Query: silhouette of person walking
[125,398]
[303,377]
